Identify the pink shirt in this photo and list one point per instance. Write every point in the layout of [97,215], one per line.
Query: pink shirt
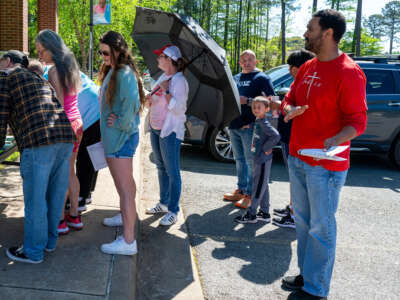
[159,109]
[71,107]
[99,10]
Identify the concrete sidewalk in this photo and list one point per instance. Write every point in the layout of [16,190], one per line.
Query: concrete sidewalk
[78,269]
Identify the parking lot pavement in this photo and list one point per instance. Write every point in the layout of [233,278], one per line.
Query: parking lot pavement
[248,261]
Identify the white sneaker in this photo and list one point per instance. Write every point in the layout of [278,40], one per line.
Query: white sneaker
[169,219]
[119,246]
[113,221]
[158,209]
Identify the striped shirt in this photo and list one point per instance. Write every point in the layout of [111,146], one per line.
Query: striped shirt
[29,105]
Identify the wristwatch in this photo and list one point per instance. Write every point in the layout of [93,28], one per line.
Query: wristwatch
[166,92]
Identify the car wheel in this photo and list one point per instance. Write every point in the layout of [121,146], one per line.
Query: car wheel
[395,153]
[219,145]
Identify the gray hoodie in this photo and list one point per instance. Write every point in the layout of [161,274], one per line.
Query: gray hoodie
[265,137]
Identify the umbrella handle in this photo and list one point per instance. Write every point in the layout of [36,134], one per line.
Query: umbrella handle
[157,89]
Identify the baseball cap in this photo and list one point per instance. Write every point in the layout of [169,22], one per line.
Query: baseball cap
[169,50]
[17,57]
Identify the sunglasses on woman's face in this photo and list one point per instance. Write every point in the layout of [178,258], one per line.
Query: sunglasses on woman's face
[104,53]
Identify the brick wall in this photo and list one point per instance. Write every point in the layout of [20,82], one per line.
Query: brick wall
[14,25]
[48,14]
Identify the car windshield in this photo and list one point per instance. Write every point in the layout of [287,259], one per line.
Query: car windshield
[277,72]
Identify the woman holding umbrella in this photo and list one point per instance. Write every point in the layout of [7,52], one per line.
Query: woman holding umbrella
[167,105]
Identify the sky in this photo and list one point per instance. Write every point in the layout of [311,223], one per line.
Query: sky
[303,15]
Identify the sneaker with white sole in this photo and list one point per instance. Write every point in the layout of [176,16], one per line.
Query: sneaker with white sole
[169,219]
[119,246]
[158,209]
[113,221]
[17,254]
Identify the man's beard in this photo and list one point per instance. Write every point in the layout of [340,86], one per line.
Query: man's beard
[314,45]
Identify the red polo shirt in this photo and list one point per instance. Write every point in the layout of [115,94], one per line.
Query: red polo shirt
[335,94]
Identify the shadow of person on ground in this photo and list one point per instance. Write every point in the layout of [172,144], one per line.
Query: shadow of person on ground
[265,249]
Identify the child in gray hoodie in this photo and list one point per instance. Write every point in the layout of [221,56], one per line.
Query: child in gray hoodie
[265,137]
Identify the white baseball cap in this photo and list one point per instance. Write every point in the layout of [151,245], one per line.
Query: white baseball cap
[171,51]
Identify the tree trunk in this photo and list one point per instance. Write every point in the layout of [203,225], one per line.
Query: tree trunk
[283,30]
[226,25]
[314,6]
[357,30]
[239,27]
[248,24]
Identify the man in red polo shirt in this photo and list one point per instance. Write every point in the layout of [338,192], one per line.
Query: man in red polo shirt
[328,107]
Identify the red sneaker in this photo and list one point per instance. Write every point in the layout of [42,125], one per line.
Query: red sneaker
[62,228]
[74,222]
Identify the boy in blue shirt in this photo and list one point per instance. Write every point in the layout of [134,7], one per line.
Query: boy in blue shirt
[265,137]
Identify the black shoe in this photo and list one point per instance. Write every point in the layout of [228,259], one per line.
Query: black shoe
[302,295]
[263,216]
[282,212]
[286,222]
[17,254]
[292,283]
[82,205]
[246,218]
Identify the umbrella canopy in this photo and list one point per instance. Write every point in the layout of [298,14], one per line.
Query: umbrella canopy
[213,94]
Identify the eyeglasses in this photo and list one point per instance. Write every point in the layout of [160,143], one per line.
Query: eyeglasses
[104,53]
[162,56]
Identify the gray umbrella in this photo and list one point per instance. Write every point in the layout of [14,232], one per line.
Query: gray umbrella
[213,94]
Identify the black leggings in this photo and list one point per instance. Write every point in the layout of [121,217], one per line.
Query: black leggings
[84,168]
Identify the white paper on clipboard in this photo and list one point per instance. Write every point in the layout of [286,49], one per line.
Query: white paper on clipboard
[97,156]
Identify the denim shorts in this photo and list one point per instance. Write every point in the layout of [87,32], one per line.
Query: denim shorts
[128,149]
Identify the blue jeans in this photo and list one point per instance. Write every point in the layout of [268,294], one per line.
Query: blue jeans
[317,196]
[166,155]
[241,146]
[44,171]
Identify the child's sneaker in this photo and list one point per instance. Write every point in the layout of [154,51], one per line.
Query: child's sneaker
[74,222]
[246,218]
[282,212]
[286,222]
[263,216]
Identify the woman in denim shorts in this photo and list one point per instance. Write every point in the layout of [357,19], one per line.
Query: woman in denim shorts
[121,97]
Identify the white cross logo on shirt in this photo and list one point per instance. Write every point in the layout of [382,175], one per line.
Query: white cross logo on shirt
[314,76]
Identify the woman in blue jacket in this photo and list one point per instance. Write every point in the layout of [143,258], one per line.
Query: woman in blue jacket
[121,98]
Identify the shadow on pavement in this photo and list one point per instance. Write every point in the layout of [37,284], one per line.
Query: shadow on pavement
[77,268]
[164,261]
[266,256]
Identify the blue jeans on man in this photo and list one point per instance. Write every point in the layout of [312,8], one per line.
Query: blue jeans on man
[317,196]
[166,156]
[45,173]
[241,145]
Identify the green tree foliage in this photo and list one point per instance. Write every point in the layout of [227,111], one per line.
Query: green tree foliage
[369,44]
[374,26]
[262,27]
[391,21]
